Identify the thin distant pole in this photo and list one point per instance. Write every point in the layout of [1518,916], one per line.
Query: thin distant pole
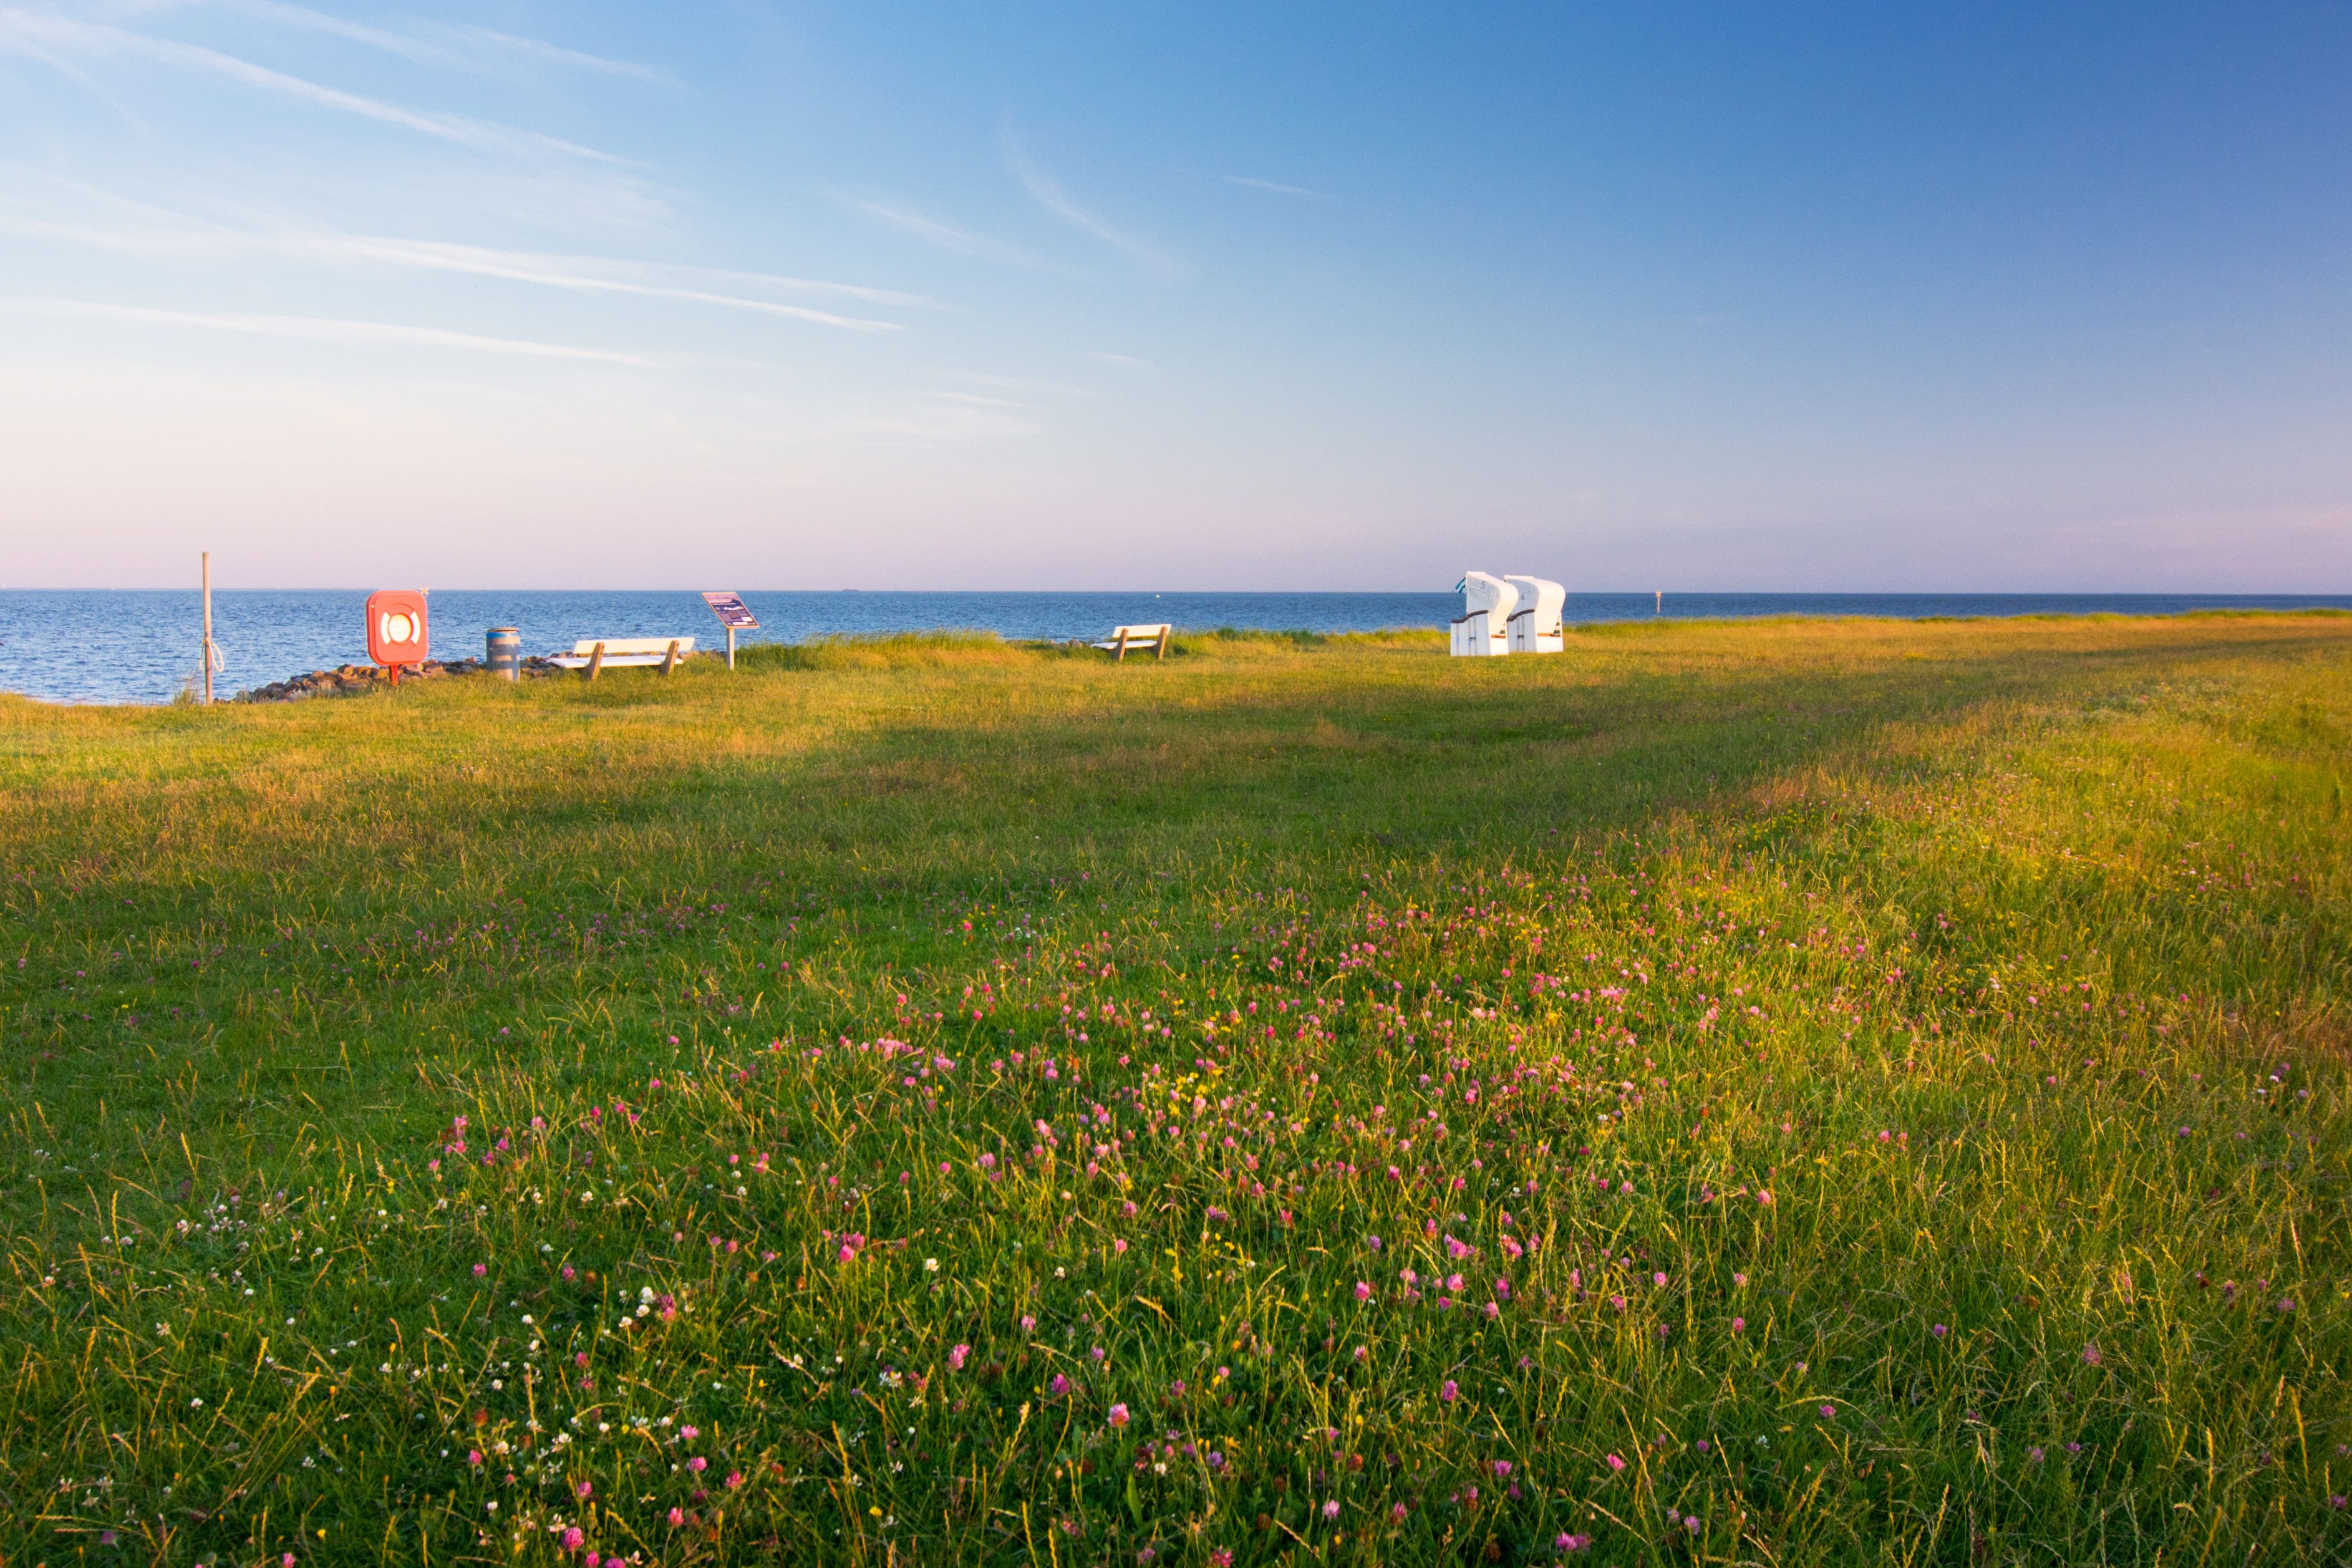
[1659,607]
[209,628]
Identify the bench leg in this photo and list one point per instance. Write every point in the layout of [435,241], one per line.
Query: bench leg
[669,659]
[1119,657]
[1162,652]
[595,662]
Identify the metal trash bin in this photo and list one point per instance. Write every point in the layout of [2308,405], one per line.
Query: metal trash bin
[503,655]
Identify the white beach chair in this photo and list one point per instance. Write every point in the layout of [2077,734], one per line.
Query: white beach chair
[1534,626]
[1482,630]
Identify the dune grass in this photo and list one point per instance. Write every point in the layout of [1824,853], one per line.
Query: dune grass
[1804,1092]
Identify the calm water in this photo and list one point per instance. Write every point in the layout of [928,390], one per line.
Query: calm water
[141,647]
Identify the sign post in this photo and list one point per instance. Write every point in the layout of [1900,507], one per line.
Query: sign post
[734,614]
[209,628]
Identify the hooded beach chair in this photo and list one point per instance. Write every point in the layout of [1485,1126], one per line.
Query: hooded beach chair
[1482,630]
[1534,626]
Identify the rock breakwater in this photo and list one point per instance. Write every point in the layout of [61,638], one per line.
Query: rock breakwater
[357,679]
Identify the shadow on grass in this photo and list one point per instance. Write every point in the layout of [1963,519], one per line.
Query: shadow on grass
[1410,756]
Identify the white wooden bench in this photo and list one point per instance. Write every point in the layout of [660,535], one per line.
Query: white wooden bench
[1154,638]
[592,655]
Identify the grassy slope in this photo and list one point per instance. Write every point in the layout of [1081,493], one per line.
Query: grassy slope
[2009,958]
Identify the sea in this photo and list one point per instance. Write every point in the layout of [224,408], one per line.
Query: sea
[143,646]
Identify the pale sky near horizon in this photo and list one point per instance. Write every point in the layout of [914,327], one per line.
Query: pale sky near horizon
[1176,296]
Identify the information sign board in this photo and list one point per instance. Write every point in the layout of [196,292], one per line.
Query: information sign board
[732,611]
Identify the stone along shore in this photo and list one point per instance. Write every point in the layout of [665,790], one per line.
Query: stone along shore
[354,679]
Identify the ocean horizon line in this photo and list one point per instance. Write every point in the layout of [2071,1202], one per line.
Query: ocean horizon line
[143,645]
[219,590]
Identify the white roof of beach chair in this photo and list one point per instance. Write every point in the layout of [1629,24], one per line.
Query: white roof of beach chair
[1481,591]
[1545,598]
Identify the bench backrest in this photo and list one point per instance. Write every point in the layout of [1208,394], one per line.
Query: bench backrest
[616,646]
[1141,634]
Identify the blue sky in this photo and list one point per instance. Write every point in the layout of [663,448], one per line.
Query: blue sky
[1177,296]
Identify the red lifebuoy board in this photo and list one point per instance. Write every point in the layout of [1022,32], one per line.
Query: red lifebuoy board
[395,627]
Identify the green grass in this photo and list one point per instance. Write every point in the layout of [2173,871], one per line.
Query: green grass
[422,1107]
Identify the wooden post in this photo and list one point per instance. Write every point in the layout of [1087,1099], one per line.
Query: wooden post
[730,647]
[1119,656]
[1165,633]
[669,659]
[209,628]
[595,660]
[1659,607]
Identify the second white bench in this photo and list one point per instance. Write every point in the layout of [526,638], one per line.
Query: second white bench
[592,655]
[1154,637]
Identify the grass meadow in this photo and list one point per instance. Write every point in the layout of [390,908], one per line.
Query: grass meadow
[1780,1092]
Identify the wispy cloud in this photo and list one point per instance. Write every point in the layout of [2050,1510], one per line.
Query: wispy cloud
[26,46]
[945,236]
[545,53]
[1054,199]
[974,399]
[949,416]
[600,276]
[302,18]
[447,46]
[1276,187]
[1023,383]
[41,38]
[320,330]
[1125,361]
[156,232]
